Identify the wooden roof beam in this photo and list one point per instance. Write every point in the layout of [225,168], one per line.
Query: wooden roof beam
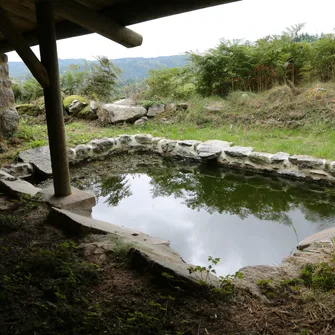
[22,48]
[96,22]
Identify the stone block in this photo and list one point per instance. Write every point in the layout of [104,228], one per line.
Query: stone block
[6,98]
[279,157]
[40,159]
[78,200]
[212,149]
[261,158]
[307,162]
[156,110]
[324,236]
[18,187]
[143,139]
[6,176]
[9,121]
[238,152]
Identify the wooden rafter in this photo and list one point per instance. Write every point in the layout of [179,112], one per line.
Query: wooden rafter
[96,22]
[22,48]
[121,12]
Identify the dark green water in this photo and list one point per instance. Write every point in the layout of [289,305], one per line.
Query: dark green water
[244,220]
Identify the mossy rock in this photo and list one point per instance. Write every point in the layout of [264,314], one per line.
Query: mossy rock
[29,109]
[68,100]
[87,114]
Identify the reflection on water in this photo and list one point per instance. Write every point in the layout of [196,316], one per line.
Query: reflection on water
[243,220]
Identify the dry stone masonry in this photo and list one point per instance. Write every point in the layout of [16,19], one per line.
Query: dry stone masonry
[9,118]
[223,154]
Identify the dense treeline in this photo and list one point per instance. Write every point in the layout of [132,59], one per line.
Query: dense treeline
[291,59]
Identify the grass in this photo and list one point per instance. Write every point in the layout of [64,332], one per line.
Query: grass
[317,141]
[273,121]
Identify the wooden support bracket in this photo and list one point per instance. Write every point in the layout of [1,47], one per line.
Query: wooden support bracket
[22,48]
[95,22]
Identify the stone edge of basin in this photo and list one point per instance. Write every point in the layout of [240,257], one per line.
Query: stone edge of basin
[160,257]
[222,153]
[146,251]
[155,254]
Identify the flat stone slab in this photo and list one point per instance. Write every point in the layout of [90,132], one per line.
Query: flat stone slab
[18,187]
[324,236]
[39,158]
[212,149]
[6,176]
[261,158]
[147,251]
[239,152]
[78,200]
[307,162]
[280,157]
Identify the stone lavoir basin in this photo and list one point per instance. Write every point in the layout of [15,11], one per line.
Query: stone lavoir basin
[242,218]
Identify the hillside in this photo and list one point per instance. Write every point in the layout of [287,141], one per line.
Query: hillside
[133,68]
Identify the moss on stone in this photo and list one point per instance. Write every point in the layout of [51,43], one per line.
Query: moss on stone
[28,109]
[68,100]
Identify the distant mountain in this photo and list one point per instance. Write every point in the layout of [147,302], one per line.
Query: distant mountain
[133,68]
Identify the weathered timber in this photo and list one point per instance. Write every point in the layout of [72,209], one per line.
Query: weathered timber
[23,49]
[53,99]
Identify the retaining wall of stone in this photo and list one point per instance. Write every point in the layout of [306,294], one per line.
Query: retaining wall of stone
[222,153]
[9,117]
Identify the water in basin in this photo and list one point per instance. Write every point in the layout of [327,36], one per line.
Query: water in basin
[244,220]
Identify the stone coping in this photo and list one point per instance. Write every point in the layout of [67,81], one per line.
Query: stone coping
[224,154]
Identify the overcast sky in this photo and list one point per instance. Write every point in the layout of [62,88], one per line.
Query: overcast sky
[201,30]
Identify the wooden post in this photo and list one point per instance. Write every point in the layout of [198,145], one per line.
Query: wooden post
[53,98]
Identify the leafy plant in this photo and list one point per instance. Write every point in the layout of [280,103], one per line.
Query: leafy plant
[320,276]
[204,275]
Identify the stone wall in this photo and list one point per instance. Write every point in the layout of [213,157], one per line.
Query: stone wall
[9,118]
[224,154]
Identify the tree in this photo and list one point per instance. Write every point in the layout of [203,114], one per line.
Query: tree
[102,79]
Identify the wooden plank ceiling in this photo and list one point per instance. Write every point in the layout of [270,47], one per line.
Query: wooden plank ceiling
[124,12]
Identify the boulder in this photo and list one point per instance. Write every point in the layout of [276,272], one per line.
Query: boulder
[9,121]
[94,107]
[69,99]
[155,110]
[112,113]
[87,114]
[39,158]
[212,149]
[76,106]
[142,121]
[125,102]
